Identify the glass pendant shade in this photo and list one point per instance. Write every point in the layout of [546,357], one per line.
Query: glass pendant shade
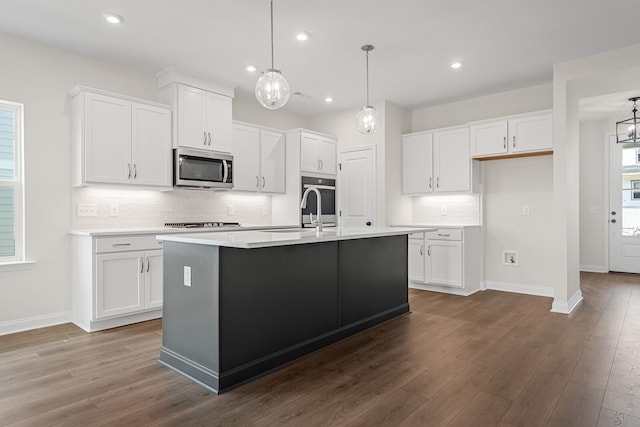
[627,130]
[272,90]
[367,120]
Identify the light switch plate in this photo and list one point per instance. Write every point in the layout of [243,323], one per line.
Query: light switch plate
[230,210]
[444,211]
[114,209]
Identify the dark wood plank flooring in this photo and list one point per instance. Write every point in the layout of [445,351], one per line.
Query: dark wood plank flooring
[491,359]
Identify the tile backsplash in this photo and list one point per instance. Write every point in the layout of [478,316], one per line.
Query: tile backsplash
[148,208]
[454,209]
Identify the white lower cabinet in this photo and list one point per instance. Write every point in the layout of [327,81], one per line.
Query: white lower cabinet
[116,280]
[446,260]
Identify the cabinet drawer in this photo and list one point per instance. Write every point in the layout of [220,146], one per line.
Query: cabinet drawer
[416,236]
[445,234]
[127,243]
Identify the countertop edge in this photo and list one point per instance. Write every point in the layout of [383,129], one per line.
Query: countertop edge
[167,230]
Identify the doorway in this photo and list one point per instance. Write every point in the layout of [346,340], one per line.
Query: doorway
[357,187]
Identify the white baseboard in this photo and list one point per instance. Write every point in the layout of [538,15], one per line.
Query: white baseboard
[567,307]
[541,291]
[442,289]
[594,268]
[21,325]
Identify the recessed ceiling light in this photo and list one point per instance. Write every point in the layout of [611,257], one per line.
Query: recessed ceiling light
[456,65]
[251,68]
[112,18]
[328,99]
[302,36]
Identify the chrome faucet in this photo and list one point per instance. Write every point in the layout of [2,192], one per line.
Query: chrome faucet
[318,221]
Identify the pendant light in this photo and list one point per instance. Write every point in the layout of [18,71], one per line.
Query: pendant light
[628,129]
[272,90]
[367,119]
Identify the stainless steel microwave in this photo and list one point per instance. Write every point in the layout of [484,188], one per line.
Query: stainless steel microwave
[202,168]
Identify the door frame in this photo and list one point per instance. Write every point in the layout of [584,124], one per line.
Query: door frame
[374,195]
[607,200]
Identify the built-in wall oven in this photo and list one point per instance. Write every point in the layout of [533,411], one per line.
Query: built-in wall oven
[327,189]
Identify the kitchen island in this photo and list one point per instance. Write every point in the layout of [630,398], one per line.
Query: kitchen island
[239,304]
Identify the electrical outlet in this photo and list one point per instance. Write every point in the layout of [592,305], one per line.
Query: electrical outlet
[525,210]
[510,257]
[87,210]
[265,211]
[230,210]
[444,211]
[114,210]
[187,275]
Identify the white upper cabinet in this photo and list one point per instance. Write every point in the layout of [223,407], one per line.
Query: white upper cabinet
[118,140]
[436,161]
[317,154]
[417,163]
[204,119]
[258,159]
[517,135]
[451,160]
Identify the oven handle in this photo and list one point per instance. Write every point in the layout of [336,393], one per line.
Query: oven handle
[226,171]
[320,187]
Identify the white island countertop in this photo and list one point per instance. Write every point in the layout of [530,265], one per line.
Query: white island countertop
[263,239]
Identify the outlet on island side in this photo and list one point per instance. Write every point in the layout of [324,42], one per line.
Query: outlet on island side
[444,211]
[187,275]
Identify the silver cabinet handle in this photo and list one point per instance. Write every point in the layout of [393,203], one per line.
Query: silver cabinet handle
[148,264]
[209,133]
[135,171]
[421,253]
[205,137]
[263,182]
[141,264]
[429,250]
[444,235]
[430,179]
[115,245]
[129,168]
[225,173]
[514,141]
[318,164]
[321,164]
[504,142]
[257,181]
[438,182]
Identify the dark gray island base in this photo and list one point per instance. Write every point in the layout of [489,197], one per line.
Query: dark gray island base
[249,311]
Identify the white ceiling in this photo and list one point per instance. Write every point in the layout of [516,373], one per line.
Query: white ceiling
[503,44]
[613,107]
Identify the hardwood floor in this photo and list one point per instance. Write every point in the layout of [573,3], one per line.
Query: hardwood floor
[491,359]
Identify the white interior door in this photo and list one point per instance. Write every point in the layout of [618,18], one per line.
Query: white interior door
[356,188]
[624,208]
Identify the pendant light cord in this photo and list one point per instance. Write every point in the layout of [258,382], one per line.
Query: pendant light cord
[367,56]
[271,34]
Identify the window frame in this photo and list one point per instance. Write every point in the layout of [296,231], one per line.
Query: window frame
[17,183]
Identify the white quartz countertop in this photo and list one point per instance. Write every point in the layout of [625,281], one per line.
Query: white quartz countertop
[269,238]
[169,230]
[436,225]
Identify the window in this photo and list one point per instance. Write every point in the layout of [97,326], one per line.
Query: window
[11,187]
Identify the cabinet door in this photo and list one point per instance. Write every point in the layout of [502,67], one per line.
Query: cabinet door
[153,279]
[246,158]
[119,283]
[327,155]
[151,145]
[107,139]
[309,160]
[488,138]
[416,260]
[451,160]
[417,164]
[272,161]
[192,107]
[443,263]
[219,122]
[531,134]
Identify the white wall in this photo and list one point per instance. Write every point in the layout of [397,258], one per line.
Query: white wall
[40,76]
[507,184]
[593,206]
[399,207]
[248,110]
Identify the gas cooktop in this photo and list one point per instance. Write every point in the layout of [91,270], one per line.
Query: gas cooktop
[207,224]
